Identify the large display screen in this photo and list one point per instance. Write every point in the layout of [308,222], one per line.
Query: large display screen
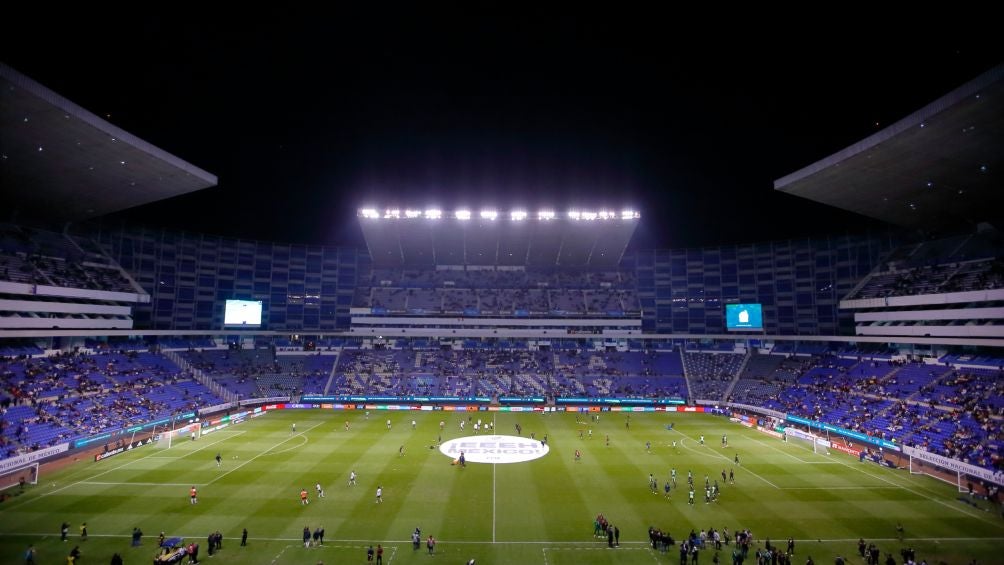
[743,317]
[243,313]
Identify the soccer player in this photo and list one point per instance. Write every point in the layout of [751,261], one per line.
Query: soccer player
[723,476]
[578,455]
[707,495]
[442,424]
[83,532]
[737,459]
[193,495]
[691,499]
[293,429]
[672,473]
[413,424]
[219,460]
[352,478]
[320,491]
[346,425]
[303,497]
[590,433]
[732,477]
[379,495]
[702,439]
[388,423]
[608,440]
[648,446]
[725,441]
[666,489]
[653,485]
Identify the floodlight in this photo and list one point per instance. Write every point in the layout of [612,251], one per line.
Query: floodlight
[517,215]
[589,215]
[545,215]
[411,214]
[489,214]
[463,214]
[574,215]
[433,214]
[369,213]
[389,213]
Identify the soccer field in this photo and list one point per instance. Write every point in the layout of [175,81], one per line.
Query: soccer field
[539,511]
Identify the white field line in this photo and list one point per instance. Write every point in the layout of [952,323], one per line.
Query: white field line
[603,548]
[719,455]
[799,459]
[127,463]
[912,491]
[264,452]
[407,542]
[305,441]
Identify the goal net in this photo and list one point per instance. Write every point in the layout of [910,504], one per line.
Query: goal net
[950,476]
[810,440]
[166,437]
[14,477]
[966,477]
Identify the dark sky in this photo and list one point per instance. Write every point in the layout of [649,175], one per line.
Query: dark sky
[305,120]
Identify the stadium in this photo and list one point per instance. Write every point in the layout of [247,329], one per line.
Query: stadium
[502,384]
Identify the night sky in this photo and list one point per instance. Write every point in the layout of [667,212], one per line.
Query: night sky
[306,121]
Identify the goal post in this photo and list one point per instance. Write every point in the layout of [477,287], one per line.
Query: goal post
[951,471]
[798,436]
[14,477]
[166,437]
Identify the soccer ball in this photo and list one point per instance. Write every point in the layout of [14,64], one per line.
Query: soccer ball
[235,457]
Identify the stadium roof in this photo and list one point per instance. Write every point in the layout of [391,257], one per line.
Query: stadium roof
[60,162]
[424,238]
[940,167]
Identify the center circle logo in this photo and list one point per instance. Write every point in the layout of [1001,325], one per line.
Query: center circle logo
[494,449]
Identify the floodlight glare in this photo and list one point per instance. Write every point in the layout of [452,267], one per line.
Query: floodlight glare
[463,214]
[545,215]
[574,215]
[433,214]
[604,215]
[589,215]
[395,214]
[489,214]
[369,213]
[411,214]
[517,215]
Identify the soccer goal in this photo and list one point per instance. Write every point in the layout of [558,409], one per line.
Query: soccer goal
[811,441]
[166,437]
[950,476]
[13,478]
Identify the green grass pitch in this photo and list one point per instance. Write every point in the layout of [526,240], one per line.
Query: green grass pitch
[534,512]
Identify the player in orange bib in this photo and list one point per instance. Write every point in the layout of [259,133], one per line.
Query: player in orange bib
[303,497]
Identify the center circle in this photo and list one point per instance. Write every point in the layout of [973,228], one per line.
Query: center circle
[494,449]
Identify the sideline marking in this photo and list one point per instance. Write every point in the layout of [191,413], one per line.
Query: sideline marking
[60,489]
[264,453]
[720,456]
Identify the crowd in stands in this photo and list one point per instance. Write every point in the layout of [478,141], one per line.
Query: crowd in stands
[631,374]
[261,372]
[502,292]
[50,400]
[41,257]
[956,264]
[954,411]
[948,411]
